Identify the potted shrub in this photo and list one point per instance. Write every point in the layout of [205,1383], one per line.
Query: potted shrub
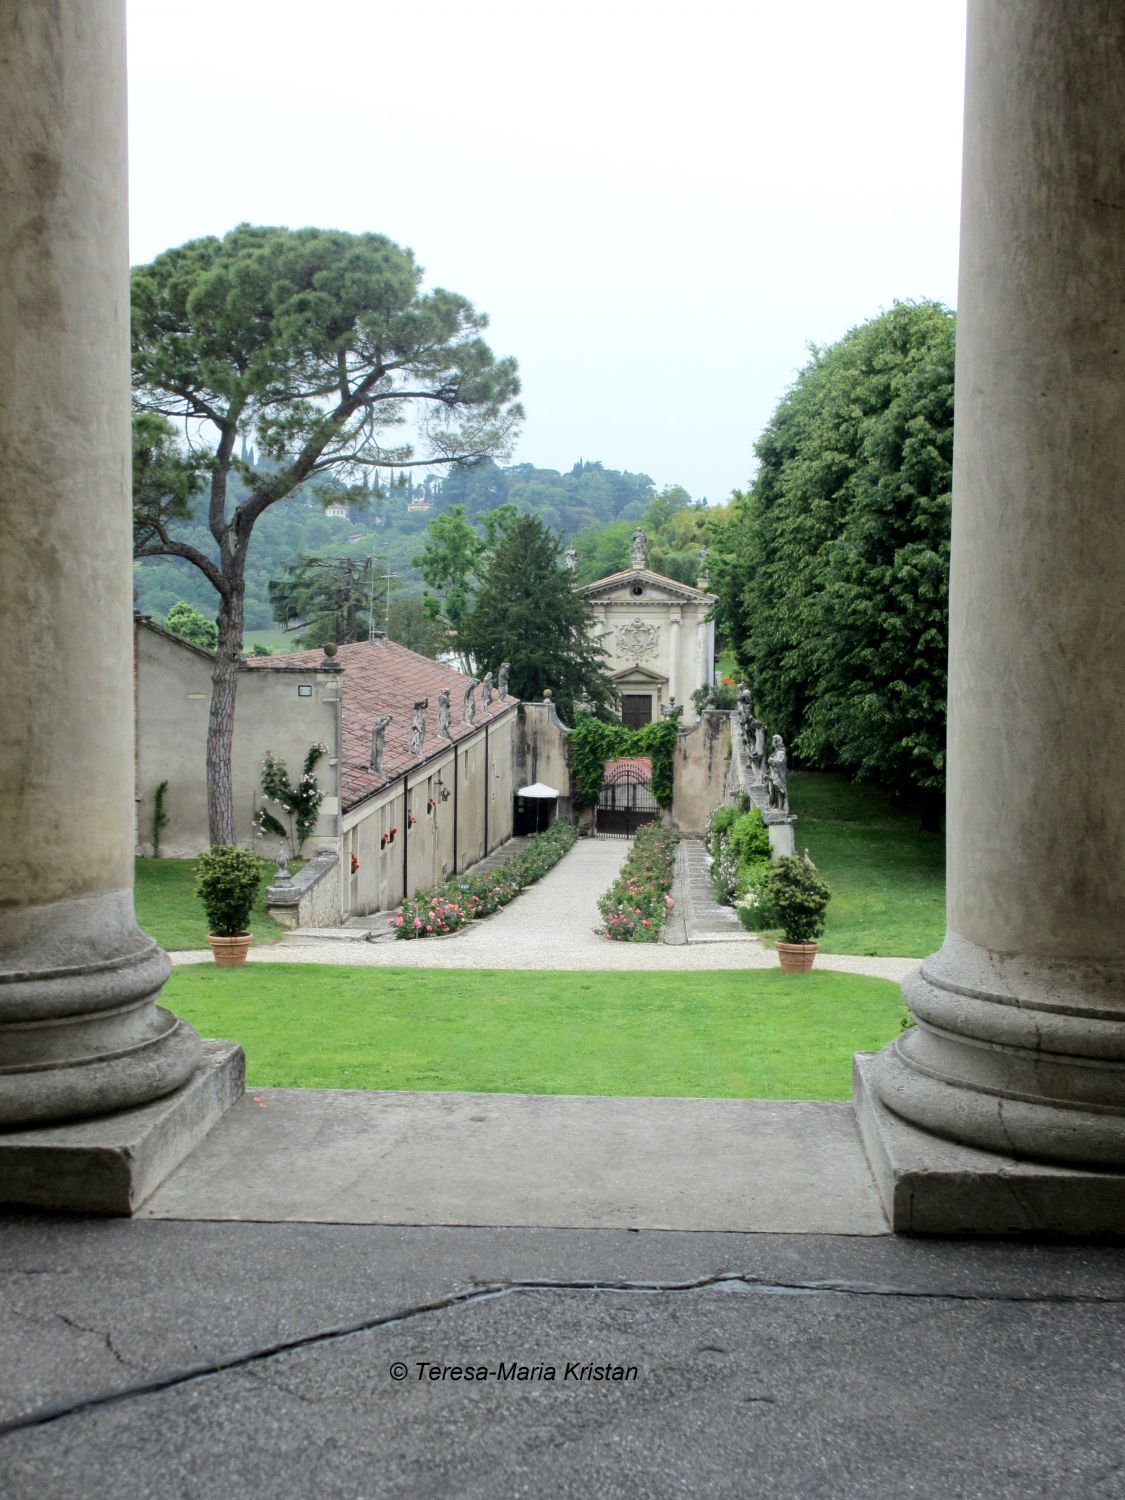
[227,881]
[798,898]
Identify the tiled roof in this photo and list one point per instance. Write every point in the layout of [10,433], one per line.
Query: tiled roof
[381,677]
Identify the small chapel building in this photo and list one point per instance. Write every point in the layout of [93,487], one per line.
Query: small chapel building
[659,636]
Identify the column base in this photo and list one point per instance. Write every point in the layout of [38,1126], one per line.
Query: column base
[930,1185]
[111,1164]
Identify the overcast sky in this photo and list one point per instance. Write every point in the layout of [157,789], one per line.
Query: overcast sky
[659,206]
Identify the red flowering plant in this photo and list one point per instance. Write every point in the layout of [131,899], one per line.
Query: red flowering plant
[355,865]
[636,906]
[464,898]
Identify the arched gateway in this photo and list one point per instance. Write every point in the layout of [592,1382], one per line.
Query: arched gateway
[627,799]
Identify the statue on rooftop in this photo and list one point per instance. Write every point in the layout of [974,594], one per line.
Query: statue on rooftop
[444,718]
[571,560]
[486,692]
[378,743]
[469,710]
[502,683]
[639,543]
[418,726]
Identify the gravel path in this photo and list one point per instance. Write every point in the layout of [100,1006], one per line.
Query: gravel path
[550,926]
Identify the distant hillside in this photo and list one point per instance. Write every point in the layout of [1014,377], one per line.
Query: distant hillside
[389,521]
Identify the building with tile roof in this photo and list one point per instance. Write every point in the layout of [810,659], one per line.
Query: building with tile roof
[402,809]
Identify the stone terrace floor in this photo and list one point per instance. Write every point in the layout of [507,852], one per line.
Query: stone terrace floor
[268,1325]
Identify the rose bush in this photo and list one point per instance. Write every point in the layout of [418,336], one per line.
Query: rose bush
[636,906]
[464,898]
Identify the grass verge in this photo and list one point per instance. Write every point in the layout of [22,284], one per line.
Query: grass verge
[887,879]
[752,1034]
[169,909]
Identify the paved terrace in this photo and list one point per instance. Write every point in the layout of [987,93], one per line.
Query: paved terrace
[728,1259]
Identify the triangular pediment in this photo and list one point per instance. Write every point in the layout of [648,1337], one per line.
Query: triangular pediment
[655,589]
[638,673]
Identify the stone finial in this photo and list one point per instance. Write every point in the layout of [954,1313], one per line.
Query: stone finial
[469,709]
[486,692]
[777,776]
[640,541]
[378,743]
[329,662]
[418,725]
[444,717]
[669,710]
[571,560]
[548,696]
[281,875]
[502,681]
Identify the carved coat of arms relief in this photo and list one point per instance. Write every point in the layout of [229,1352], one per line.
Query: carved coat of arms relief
[638,640]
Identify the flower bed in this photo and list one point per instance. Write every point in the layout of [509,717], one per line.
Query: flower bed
[636,906]
[453,904]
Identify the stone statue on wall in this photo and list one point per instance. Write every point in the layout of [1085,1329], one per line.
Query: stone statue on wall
[778,776]
[757,747]
[639,543]
[502,683]
[378,743]
[669,710]
[584,706]
[486,693]
[469,710]
[571,560]
[444,718]
[418,726]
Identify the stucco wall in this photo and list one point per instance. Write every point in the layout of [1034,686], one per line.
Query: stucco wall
[434,848]
[173,703]
[540,750]
[701,766]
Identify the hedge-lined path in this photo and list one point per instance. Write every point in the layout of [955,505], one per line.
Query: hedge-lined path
[550,926]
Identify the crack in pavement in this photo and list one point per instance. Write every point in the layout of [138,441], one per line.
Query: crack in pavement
[733,1281]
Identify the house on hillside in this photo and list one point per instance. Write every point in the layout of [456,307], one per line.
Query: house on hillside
[659,636]
[410,795]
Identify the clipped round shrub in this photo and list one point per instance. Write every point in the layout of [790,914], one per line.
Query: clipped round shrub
[798,897]
[227,881]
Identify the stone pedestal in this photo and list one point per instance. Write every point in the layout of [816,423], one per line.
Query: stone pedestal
[1019,1047]
[80,1036]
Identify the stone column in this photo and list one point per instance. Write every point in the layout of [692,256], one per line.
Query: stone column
[1019,1046]
[79,1033]
[674,619]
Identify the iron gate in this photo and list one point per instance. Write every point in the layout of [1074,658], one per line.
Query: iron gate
[626,800]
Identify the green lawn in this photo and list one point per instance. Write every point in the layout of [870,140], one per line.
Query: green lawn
[887,879]
[730,1034]
[274,639]
[169,909]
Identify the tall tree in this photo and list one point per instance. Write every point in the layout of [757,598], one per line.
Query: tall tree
[843,546]
[321,349]
[332,596]
[192,625]
[528,614]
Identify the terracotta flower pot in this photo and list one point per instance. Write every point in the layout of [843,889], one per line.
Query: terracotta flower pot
[231,952]
[796,958]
